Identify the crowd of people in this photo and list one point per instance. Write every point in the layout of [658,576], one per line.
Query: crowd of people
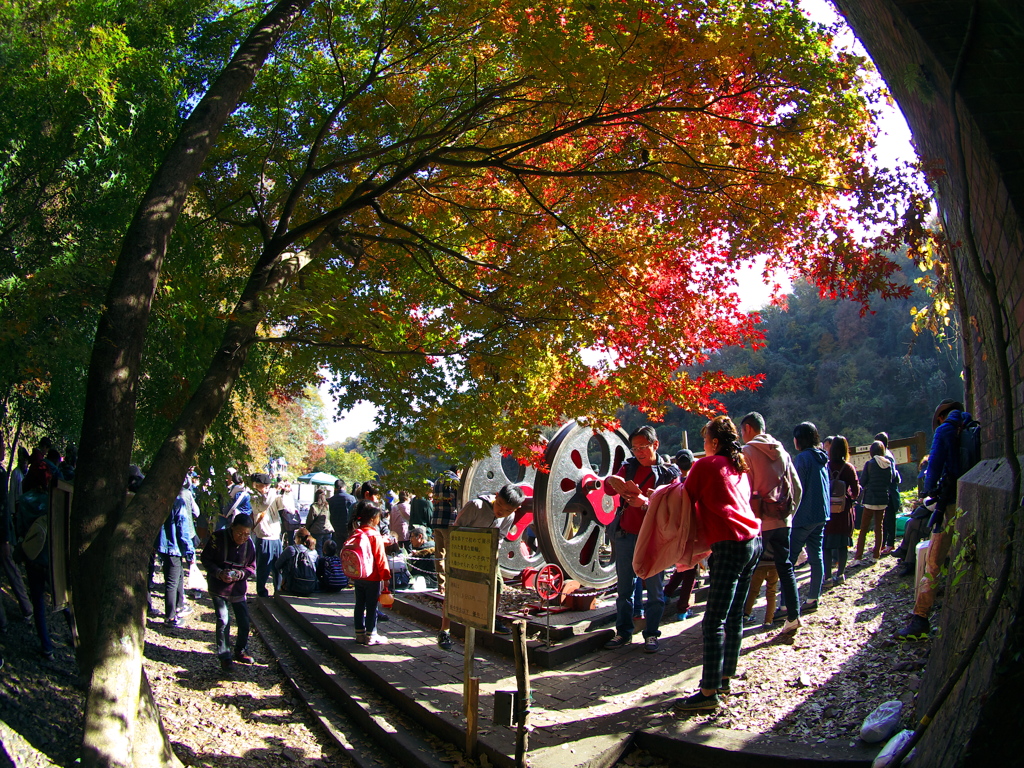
[749,511]
[296,550]
[753,510]
[24,501]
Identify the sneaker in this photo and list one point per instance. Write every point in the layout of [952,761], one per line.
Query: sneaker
[687,614]
[151,612]
[382,616]
[809,606]
[361,636]
[651,645]
[244,658]
[618,641]
[840,579]
[444,639]
[225,662]
[376,639]
[186,610]
[748,618]
[174,623]
[726,688]
[790,627]
[917,628]
[698,702]
[906,570]
[501,628]
[899,553]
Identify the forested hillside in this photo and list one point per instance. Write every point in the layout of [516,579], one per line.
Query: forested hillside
[824,362]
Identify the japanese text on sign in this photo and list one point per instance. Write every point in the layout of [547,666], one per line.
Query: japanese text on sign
[472,551]
[471,603]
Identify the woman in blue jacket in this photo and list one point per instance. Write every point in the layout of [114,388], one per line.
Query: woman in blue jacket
[177,552]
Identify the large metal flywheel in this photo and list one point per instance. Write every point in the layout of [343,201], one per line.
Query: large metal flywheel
[518,548]
[572,511]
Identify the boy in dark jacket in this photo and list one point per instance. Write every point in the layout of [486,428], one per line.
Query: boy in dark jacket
[230,561]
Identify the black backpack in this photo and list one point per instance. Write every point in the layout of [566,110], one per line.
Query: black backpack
[837,493]
[967,453]
[970,446]
[303,580]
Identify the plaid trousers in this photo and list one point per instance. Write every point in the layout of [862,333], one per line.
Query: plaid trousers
[732,563]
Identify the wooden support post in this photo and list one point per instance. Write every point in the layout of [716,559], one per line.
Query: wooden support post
[470,691]
[472,702]
[522,705]
[469,651]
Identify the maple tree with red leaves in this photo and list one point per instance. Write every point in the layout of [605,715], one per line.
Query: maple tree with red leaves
[482,216]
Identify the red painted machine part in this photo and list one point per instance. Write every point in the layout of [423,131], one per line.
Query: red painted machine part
[523,517]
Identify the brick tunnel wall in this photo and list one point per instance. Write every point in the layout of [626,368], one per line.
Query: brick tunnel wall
[915,45]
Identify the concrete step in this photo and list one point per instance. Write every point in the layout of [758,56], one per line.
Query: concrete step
[371,731]
[495,745]
[409,693]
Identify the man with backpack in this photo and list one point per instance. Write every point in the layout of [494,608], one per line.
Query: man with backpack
[814,509]
[955,431]
[893,507]
[775,495]
[633,482]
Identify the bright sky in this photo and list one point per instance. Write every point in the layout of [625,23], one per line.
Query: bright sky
[893,146]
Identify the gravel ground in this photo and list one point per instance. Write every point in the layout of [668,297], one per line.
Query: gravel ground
[819,684]
[842,663]
[247,717]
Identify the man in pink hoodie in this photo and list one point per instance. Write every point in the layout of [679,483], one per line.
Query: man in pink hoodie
[770,466]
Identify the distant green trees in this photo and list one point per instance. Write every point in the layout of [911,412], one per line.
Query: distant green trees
[824,362]
[348,465]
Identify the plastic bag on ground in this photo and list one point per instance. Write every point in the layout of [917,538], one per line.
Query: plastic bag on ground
[882,723]
[196,579]
[894,745]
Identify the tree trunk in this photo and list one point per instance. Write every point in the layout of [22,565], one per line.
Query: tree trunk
[118,676]
[118,690]
[109,538]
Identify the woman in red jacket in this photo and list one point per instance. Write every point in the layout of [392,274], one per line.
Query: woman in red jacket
[719,488]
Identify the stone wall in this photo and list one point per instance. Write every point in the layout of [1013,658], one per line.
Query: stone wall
[916,46]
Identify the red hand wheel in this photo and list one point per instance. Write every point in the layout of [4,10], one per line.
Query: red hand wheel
[549,582]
